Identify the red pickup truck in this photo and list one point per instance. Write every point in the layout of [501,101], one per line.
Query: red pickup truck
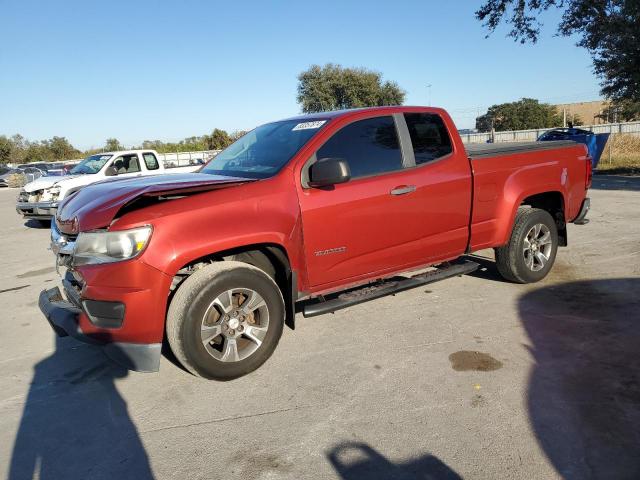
[311,214]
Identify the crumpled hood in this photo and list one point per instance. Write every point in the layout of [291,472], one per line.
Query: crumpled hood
[46,182]
[96,205]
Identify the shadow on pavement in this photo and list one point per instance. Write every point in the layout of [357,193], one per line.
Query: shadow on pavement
[75,424]
[354,460]
[39,224]
[616,182]
[487,270]
[584,390]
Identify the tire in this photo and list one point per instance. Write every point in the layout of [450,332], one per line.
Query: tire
[215,291]
[529,256]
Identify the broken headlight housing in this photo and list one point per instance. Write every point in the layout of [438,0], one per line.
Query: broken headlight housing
[54,193]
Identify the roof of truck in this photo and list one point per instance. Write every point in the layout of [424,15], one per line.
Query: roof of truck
[340,113]
[126,152]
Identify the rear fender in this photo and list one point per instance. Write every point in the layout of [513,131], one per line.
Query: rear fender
[506,227]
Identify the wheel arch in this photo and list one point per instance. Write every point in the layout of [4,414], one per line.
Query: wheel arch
[552,202]
[272,258]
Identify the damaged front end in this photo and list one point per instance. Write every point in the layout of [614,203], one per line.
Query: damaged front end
[109,294]
[39,204]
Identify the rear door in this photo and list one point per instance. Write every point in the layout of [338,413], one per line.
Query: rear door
[442,177]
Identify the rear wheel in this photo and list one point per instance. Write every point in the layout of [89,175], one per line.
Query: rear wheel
[225,320]
[531,251]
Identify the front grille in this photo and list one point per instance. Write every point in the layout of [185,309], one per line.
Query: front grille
[30,197]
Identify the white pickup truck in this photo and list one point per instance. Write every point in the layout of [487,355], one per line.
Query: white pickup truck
[39,199]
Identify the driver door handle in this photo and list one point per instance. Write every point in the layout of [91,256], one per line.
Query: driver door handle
[403,189]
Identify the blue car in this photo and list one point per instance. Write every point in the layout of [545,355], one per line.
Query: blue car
[595,142]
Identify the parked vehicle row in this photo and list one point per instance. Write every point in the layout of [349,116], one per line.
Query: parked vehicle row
[39,199]
[313,214]
[21,174]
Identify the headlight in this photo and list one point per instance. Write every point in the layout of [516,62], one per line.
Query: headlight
[54,192]
[106,247]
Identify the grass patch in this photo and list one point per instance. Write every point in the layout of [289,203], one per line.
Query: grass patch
[621,155]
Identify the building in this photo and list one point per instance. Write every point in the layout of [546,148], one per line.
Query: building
[585,113]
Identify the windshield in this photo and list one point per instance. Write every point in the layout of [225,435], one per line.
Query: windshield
[4,170]
[262,152]
[90,165]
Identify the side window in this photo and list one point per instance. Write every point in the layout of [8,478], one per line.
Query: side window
[370,147]
[429,136]
[127,164]
[150,161]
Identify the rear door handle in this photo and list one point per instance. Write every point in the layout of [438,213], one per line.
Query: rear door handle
[403,190]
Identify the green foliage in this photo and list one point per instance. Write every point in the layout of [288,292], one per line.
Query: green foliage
[621,111]
[218,140]
[575,120]
[112,145]
[524,114]
[609,29]
[190,144]
[6,147]
[235,135]
[333,87]
[18,150]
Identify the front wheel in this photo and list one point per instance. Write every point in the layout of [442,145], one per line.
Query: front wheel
[531,251]
[225,320]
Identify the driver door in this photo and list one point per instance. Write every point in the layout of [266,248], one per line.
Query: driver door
[367,224]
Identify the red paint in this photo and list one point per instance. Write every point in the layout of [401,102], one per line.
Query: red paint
[367,233]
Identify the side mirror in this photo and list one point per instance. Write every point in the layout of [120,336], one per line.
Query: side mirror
[329,171]
[111,171]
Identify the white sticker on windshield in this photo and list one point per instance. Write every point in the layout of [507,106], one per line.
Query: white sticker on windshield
[309,125]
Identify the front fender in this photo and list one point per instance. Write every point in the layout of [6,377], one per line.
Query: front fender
[199,226]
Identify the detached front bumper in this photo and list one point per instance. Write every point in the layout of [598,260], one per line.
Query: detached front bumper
[37,210]
[63,316]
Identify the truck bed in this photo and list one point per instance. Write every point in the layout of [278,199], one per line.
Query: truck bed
[481,150]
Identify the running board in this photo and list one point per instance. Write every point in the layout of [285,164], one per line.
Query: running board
[371,292]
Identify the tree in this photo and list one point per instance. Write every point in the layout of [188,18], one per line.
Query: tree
[609,29]
[112,145]
[575,119]
[333,87]
[37,152]
[621,111]
[61,149]
[19,145]
[218,140]
[236,134]
[524,114]
[5,149]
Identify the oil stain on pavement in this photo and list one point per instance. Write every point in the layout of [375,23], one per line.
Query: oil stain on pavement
[466,360]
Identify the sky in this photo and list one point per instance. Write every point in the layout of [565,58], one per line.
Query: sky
[146,70]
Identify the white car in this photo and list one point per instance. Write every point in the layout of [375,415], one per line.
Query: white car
[39,199]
